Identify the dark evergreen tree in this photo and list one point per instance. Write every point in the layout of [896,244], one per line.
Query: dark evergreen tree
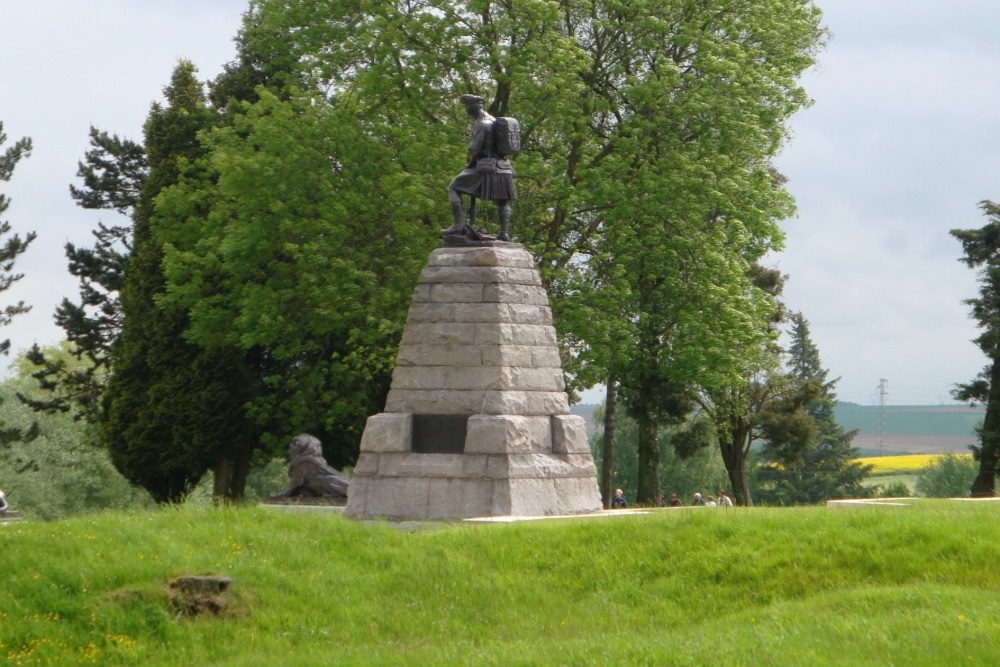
[114,172]
[982,251]
[116,176]
[825,467]
[173,409]
[10,249]
[14,245]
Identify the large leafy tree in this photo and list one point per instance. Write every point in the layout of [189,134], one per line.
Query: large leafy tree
[648,129]
[824,467]
[10,248]
[982,252]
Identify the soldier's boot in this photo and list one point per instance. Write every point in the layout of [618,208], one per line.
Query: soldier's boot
[504,223]
[459,219]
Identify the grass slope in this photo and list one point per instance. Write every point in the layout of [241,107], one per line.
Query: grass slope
[872,585]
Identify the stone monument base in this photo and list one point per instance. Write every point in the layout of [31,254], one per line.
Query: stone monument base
[512,465]
[477,420]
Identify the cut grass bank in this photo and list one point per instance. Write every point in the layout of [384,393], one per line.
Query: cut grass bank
[871,585]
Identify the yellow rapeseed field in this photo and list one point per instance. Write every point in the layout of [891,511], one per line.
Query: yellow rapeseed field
[899,464]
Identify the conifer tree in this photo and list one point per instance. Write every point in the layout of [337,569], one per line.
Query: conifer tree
[824,468]
[172,409]
[14,245]
[117,176]
[10,248]
[114,172]
[982,251]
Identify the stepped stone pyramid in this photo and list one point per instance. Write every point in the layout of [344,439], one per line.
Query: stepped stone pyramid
[477,420]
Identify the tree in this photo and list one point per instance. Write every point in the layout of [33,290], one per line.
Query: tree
[10,249]
[690,460]
[764,402]
[114,172]
[824,468]
[982,251]
[172,409]
[116,175]
[647,129]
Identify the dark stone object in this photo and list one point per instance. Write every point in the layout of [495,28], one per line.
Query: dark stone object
[439,434]
[311,476]
[478,239]
[201,594]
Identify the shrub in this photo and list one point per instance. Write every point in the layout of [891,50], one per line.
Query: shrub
[947,476]
[894,490]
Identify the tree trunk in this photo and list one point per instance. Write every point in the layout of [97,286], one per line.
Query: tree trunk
[231,475]
[734,455]
[649,457]
[984,486]
[238,480]
[608,454]
[223,471]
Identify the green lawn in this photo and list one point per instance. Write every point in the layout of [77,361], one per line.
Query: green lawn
[912,585]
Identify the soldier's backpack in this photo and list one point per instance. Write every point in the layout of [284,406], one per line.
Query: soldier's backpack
[508,136]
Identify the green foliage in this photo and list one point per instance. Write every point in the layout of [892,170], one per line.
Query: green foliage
[14,245]
[11,247]
[815,464]
[113,173]
[889,585]
[647,136]
[980,247]
[63,471]
[172,409]
[893,490]
[316,282]
[689,459]
[948,476]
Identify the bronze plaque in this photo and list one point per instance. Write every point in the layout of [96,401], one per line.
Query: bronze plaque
[439,434]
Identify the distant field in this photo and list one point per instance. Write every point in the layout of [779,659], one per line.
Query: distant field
[910,429]
[913,429]
[887,465]
[950,421]
[871,443]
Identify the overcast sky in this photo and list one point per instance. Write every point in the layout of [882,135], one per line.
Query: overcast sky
[902,143]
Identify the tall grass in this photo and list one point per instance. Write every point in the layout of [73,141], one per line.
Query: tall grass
[875,585]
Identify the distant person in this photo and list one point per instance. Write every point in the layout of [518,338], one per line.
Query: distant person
[698,500]
[619,502]
[660,502]
[3,503]
[725,500]
[710,502]
[674,500]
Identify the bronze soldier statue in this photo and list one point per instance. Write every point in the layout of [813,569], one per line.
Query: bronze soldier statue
[488,174]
